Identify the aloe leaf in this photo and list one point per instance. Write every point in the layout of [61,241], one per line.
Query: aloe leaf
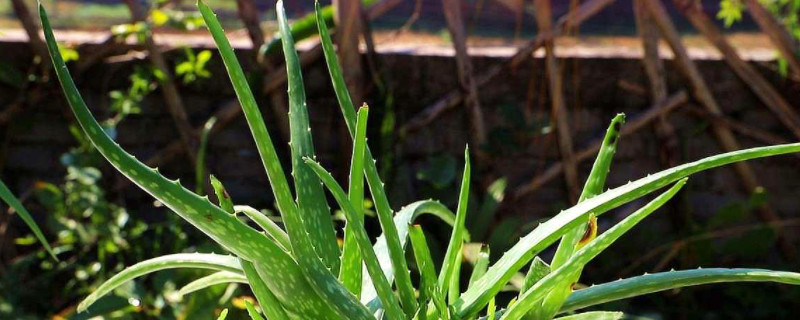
[207,217]
[594,315]
[656,282]
[350,272]
[225,201]
[223,315]
[181,260]
[479,223]
[501,272]
[429,291]
[266,299]
[200,166]
[402,220]
[569,243]
[23,213]
[266,150]
[252,312]
[538,270]
[382,285]
[213,279]
[273,230]
[451,258]
[384,210]
[310,196]
[328,298]
[531,298]
[304,27]
[481,265]
[275,266]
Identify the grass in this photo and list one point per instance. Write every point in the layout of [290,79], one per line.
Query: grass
[298,271]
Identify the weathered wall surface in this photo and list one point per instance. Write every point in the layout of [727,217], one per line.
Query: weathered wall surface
[34,139]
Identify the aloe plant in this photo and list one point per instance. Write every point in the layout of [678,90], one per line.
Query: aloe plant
[297,271]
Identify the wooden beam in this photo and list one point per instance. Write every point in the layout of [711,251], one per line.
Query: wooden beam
[758,85]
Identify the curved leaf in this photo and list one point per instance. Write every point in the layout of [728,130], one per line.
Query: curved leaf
[173,261]
[273,230]
[23,213]
[532,297]
[213,279]
[650,283]
[382,285]
[514,259]
[570,242]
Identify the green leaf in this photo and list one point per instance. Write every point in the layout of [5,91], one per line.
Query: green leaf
[266,299]
[213,279]
[251,311]
[452,260]
[350,272]
[429,291]
[15,204]
[531,298]
[225,201]
[382,285]
[650,283]
[273,230]
[538,270]
[209,218]
[384,210]
[276,267]
[594,315]
[402,220]
[200,166]
[570,242]
[223,315]
[310,196]
[181,260]
[481,264]
[501,272]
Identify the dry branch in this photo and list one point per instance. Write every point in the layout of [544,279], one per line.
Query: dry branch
[744,70]
[455,24]
[777,33]
[558,109]
[455,96]
[168,87]
[703,95]
[31,29]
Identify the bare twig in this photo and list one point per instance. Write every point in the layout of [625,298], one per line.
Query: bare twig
[632,126]
[248,13]
[455,96]
[702,94]
[31,29]
[455,24]
[558,108]
[771,98]
[740,127]
[680,244]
